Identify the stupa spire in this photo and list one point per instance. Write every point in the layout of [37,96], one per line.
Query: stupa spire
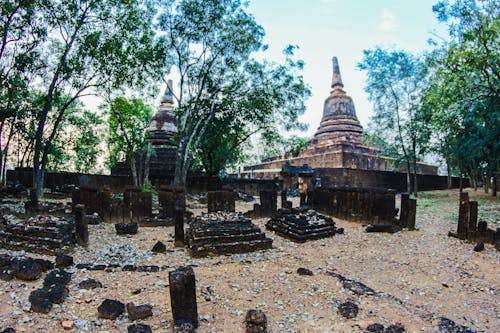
[168,97]
[336,78]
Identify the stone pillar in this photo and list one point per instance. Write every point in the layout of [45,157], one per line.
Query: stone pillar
[183,296]
[403,213]
[303,198]
[179,227]
[283,198]
[221,201]
[81,227]
[411,214]
[463,215]
[268,202]
[106,199]
[472,226]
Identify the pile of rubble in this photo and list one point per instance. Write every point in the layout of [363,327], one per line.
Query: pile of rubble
[224,233]
[301,225]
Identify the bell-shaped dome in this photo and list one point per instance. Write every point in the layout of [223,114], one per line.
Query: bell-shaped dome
[339,123]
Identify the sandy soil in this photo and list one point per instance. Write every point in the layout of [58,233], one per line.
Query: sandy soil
[419,276]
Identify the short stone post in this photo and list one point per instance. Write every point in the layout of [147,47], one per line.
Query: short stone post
[411,214]
[283,198]
[303,198]
[256,322]
[268,202]
[81,226]
[179,228]
[183,296]
[463,215]
[403,214]
[472,226]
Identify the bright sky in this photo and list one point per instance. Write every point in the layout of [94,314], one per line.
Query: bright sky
[343,28]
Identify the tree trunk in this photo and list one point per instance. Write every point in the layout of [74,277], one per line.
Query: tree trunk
[494,185]
[448,171]
[415,180]
[487,179]
[133,170]
[146,163]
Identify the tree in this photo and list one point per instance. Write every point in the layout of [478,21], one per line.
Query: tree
[87,46]
[128,121]
[395,80]
[210,44]
[465,90]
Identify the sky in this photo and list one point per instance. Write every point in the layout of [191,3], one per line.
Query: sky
[342,28]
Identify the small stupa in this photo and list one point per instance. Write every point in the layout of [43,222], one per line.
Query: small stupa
[161,134]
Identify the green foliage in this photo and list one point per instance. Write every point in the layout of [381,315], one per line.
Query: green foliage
[275,145]
[127,123]
[464,93]
[210,44]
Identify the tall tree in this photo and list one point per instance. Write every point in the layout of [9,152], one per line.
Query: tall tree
[395,80]
[91,45]
[128,121]
[210,45]
[466,86]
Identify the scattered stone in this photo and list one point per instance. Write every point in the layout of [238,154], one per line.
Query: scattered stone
[46,265]
[57,277]
[6,274]
[479,247]
[90,284]
[5,260]
[126,228]
[304,271]
[67,324]
[63,261]
[110,309]
[26,269]
[390,228]
[184,327]
[348,310]
[376,328]
[9,330]
[256,321]
[139,312]
[93,219]
[446,325]
[396,328]
[139,328]
[159,247]
[57,293]
[148,268]
[40,301]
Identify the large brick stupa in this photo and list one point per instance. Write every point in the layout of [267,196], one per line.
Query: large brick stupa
[338,142]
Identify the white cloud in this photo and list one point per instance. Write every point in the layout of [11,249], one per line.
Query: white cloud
[388,21]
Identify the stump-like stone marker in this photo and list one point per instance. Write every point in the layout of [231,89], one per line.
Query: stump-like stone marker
[179,228]
[411,214]
[403,215]
[183,296]
[255,321]
[81,226]
[463,215]
[472,226]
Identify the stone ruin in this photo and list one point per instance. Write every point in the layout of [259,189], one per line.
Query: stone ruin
[371,205]
[301,225]
[224,200]
[268,205]
[39,234]
[224,233]
[468,227]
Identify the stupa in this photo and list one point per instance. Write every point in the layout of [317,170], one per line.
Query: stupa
[161,133]
[338,141]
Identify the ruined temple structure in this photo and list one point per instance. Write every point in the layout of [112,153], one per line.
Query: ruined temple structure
[161,134]
[338,141]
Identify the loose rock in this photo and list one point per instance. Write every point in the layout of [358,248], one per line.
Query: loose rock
[348,310]
[256,321]
[304,271]
[40,301]
[26,269]
[396,328]
[110,309]
[159,247]
[56,277]
[126,228]
[479,247]
[376,328]
[139,312]
[63,261]
[139,328]
[90,284]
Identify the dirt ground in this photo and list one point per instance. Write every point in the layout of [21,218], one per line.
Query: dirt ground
[419,276]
